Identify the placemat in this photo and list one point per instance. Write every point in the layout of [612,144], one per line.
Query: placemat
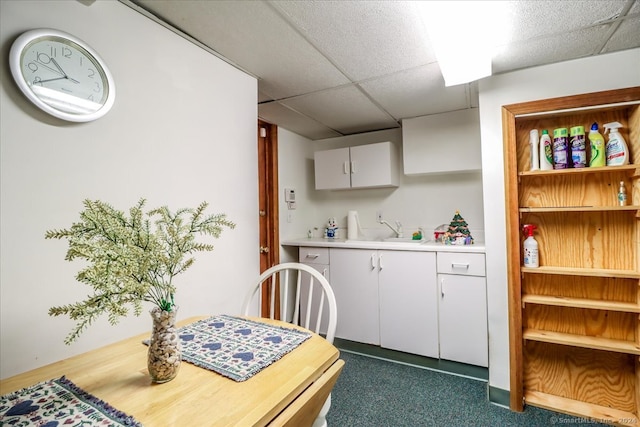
[59,402]
[236,348]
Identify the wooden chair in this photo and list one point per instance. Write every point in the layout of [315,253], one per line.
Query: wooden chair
[303,411]
[305,293]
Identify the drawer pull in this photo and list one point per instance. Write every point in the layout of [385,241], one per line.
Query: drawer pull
[460,265]
[314,256]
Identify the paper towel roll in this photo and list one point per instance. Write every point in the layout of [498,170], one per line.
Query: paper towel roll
[352,225]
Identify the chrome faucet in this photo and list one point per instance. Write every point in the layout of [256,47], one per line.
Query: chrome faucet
[397,230]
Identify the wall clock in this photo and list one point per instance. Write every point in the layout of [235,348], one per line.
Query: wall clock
[62,75]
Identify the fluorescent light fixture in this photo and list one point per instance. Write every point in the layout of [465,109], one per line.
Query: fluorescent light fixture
[463,35]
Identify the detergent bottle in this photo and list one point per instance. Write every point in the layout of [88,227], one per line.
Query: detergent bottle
[598,155]
[530,245]
[617,150]
[546,151]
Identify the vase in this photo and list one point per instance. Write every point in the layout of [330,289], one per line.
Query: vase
[164,355]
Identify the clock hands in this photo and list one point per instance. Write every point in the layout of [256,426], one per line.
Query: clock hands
[49,80]
[62,71]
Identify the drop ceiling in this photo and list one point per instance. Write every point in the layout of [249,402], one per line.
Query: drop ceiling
[334,68]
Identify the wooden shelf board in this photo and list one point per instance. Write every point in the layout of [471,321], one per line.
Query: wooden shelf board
[589,272]
[581,303]
[579,209]
[603,169]
[580,409]
[595,343]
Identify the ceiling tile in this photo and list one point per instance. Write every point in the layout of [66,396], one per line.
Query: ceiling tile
[417,92]
[363,38]
[344,109]
[547,50]
[627,35]
[297,123]
[531,19]
[253,36]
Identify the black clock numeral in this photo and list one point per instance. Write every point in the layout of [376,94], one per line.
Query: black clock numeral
[32,66]
[54,52]
[91,72]
[66,52]
[37,80]
[97,88]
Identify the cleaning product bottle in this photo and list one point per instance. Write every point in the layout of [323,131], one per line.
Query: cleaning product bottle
[578,147]
[598,155]
[622,194]
[533,142]
[617,150]
[531,259]
[546,151]
[561,150]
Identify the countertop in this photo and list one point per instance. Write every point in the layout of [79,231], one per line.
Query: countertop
[428,246]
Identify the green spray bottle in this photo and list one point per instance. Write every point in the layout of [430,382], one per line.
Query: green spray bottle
[598,157]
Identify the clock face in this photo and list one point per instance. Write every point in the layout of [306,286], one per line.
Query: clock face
[61,75]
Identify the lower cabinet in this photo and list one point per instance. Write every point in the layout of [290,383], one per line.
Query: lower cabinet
[426,303]
[318,258]
[408,302]
[462,307]
[354,279]
[463,319]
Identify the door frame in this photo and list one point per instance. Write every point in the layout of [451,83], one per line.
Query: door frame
[268,206]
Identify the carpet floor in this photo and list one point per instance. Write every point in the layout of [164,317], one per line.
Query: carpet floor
[372,392]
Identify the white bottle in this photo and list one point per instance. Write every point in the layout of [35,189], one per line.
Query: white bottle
[533,142]
[531,259]
[616,148]
[546,151]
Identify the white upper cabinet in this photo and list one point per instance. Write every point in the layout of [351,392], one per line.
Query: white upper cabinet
[362,166]
[442,143]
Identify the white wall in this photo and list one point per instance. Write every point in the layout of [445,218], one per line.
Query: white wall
[182,122]
[612,71]
[419,201]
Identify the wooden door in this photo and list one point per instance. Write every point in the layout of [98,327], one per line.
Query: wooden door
[269,249]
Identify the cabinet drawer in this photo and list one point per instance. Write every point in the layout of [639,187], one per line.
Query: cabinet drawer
[313,255]
[461,263]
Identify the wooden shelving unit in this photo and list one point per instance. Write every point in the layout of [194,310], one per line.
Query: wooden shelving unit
[574,321]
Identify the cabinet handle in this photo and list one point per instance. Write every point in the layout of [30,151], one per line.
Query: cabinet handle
[345,168]
[460,265]
[314,256]
[373,261]
[324,272]
[353,167]
[442,287]
[380,261]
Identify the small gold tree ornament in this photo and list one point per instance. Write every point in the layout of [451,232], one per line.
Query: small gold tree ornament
[132,258]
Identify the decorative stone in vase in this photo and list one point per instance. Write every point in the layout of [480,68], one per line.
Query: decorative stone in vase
[164,356]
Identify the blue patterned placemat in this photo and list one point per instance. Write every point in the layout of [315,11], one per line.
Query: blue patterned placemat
[236,348]
[59,402]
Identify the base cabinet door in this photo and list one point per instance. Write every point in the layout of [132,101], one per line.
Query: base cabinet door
[354,279]
[463,319]
[408,302]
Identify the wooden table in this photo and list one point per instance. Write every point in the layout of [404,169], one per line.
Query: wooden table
[117,374]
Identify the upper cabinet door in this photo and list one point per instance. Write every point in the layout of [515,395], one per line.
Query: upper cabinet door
[442,143]
[374,165]
[332,169]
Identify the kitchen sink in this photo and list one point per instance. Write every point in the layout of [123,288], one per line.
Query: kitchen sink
[401,240]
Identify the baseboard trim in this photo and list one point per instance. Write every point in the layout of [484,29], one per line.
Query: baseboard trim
[499,396]
[446,366]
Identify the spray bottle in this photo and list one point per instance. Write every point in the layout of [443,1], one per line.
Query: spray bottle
[531,259]
[617,150]
[598,155]
[546,151]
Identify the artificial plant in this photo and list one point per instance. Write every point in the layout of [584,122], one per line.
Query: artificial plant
[132,259]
